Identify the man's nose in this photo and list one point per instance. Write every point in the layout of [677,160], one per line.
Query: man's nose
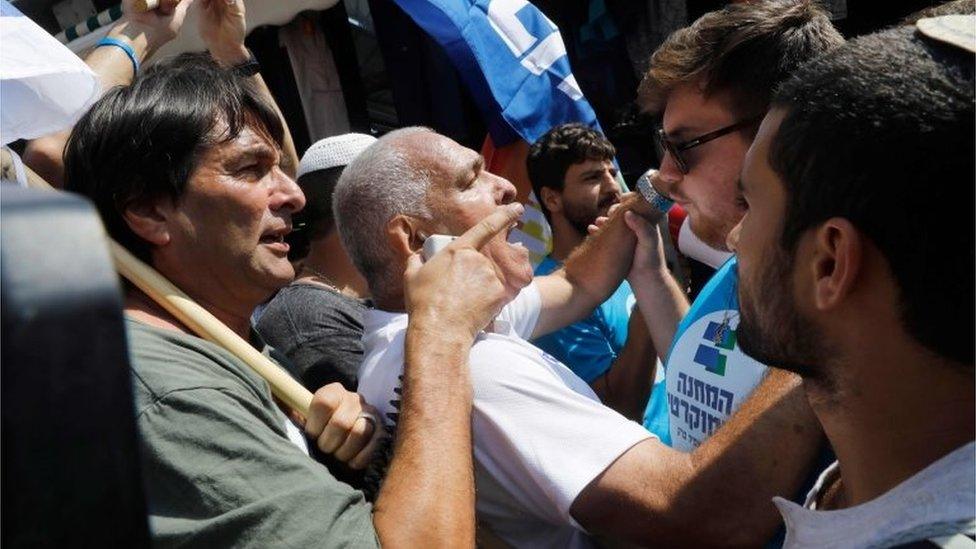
[668,176]
[505,191]
[609,185]
[286,193]
[732,240]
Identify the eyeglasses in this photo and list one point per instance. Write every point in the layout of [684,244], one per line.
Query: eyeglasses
[666,145]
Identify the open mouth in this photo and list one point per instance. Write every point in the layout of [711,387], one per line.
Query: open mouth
[277,238]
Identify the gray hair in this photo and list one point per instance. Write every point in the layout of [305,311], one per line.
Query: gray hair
[373,189]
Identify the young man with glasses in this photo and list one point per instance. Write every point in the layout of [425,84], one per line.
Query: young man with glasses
[711,84]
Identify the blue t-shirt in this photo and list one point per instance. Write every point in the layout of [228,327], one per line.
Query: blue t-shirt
[589,347]
[707,376]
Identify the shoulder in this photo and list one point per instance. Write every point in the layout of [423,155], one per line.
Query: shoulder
[301,312]
[165,362]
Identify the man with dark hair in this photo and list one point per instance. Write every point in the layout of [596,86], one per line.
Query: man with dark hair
[856,272]
[572,174]
[184,168]
[317,320]
[711,83]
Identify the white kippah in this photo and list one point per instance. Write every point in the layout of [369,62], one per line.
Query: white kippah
[335,151]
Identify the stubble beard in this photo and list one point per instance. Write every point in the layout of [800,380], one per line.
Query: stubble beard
[779,336]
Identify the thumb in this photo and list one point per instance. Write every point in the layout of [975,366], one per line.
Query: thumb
[638,224]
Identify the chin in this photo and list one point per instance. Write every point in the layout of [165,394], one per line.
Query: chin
[709,233]
[517,267]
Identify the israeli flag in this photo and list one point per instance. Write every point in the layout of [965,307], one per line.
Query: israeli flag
[512,59]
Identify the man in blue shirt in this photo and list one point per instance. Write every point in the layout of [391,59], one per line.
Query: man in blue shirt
[711,84]
[572,173]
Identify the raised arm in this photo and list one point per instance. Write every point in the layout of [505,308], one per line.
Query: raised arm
[223,28]
[427,499]
[591,273]
[659,298]
[718,495]
[145,33]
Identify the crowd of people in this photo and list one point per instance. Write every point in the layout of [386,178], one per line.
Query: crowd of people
[818,391]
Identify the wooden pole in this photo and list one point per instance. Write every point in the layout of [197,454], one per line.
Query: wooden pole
[191,314]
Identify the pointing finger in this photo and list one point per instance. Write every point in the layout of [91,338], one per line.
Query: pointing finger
[489,227]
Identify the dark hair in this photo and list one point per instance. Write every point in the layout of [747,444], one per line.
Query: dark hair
[881,132]
[561,147]
[316,219]
[744,49]
[142,142]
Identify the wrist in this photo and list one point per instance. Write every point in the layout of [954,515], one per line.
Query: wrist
[649,276]
[143,38]
[433,329]
[229,55]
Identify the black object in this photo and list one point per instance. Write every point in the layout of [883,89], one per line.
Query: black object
[69,450]
[248,68]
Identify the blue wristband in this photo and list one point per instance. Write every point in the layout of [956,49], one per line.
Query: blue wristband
[108,41]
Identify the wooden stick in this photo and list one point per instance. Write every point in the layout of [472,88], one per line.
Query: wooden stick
[142,6]
[192,315]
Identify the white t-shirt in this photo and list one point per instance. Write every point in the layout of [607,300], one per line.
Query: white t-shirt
[937,501]
[540,433]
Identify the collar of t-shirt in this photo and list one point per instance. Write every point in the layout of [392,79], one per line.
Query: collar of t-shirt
[938,500]
[379,321]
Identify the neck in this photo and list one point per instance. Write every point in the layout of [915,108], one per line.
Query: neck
[565,239]
[895,410]
[328,258]
[142,308]
[393,303]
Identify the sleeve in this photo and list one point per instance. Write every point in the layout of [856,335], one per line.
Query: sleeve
[582,346]
[219,472]
[541,429]
[523,311]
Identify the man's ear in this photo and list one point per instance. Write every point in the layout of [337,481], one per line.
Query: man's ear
[838,255]
[149,219]
[551,199]
[405,234]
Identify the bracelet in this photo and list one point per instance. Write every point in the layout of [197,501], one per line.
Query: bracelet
[249,67]
[108,41]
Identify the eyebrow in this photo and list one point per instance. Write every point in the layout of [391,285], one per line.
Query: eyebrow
[475,168]
[682,132]
[255,152]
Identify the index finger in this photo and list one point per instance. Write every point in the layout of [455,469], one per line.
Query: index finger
[489,227]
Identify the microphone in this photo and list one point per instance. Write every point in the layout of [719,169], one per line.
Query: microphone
[684,238]
[650,194]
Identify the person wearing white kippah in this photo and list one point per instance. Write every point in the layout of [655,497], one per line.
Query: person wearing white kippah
[317,321]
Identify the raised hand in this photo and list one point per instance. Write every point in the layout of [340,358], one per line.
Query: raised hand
[159,25]
[459,289]
[222,28]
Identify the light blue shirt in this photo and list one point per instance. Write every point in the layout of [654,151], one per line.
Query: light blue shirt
[706,374]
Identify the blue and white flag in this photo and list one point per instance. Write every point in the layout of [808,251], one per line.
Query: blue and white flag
[512,59]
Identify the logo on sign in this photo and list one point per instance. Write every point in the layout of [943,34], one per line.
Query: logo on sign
[712,358]
[537,50]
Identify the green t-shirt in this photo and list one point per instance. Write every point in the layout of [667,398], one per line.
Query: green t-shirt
[218,468]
